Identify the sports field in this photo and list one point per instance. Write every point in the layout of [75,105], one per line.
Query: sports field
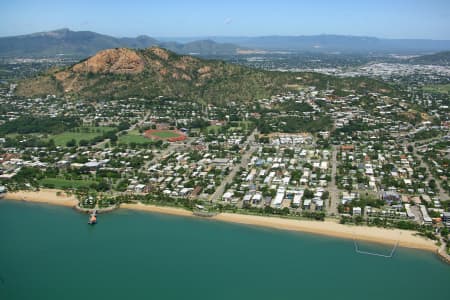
[167,135]
[134,136]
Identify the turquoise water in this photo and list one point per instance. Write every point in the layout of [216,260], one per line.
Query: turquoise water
[50,252]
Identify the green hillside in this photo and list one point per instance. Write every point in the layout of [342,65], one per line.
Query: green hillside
[122,73]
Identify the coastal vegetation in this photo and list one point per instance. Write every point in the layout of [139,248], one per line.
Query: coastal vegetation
[66,184]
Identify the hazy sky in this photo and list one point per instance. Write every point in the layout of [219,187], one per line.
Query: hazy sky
[381,18]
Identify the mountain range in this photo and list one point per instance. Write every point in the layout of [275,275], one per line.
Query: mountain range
[86,43]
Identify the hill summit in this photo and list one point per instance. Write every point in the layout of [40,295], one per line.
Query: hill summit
[116,61]
[123,72]
[147,73]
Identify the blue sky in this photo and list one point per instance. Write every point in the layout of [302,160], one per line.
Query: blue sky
[177,18]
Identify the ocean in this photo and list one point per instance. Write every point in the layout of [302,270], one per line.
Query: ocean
[49,252]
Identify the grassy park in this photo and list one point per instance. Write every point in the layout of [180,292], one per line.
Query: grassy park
[78,134]
[59,183]
[133,136]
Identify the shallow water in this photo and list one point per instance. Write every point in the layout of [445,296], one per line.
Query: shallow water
[49,252]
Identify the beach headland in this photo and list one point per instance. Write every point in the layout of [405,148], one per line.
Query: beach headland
[404,238]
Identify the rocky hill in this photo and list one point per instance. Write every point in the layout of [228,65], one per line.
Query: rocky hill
[151,72]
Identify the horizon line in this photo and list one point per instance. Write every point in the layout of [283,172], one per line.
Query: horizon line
[226,36]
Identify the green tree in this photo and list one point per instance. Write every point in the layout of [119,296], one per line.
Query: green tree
[83,143]
[325,195]
[432,184]
[71,143]
[308,194]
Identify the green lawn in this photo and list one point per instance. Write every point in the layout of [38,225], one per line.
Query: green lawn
[165,134]
[60,183]
[437,88]
[12,135]
[133,136]
[242,124]
[216,128]
[85,133]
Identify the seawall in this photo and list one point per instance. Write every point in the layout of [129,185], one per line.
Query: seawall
[98,210]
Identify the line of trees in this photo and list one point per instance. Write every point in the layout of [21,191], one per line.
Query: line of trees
[38,124]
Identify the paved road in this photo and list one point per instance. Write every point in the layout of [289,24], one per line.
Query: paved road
[441,192]
[332,186]
[216,196]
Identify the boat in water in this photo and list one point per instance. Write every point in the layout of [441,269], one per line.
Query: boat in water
[93,218]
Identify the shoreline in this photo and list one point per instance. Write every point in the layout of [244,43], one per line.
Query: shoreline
[47,196]
[385,236]
[167,210]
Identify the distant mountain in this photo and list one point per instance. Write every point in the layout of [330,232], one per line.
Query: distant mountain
[338,43]
[121,72]
[86,43]
[440,58]
[67,42]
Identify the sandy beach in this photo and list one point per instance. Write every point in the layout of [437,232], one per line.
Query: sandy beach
[158,209]
[405,238]
[48,196]
[328,228]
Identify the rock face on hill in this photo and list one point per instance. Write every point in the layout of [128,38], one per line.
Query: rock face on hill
[158,63]
[114,61]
